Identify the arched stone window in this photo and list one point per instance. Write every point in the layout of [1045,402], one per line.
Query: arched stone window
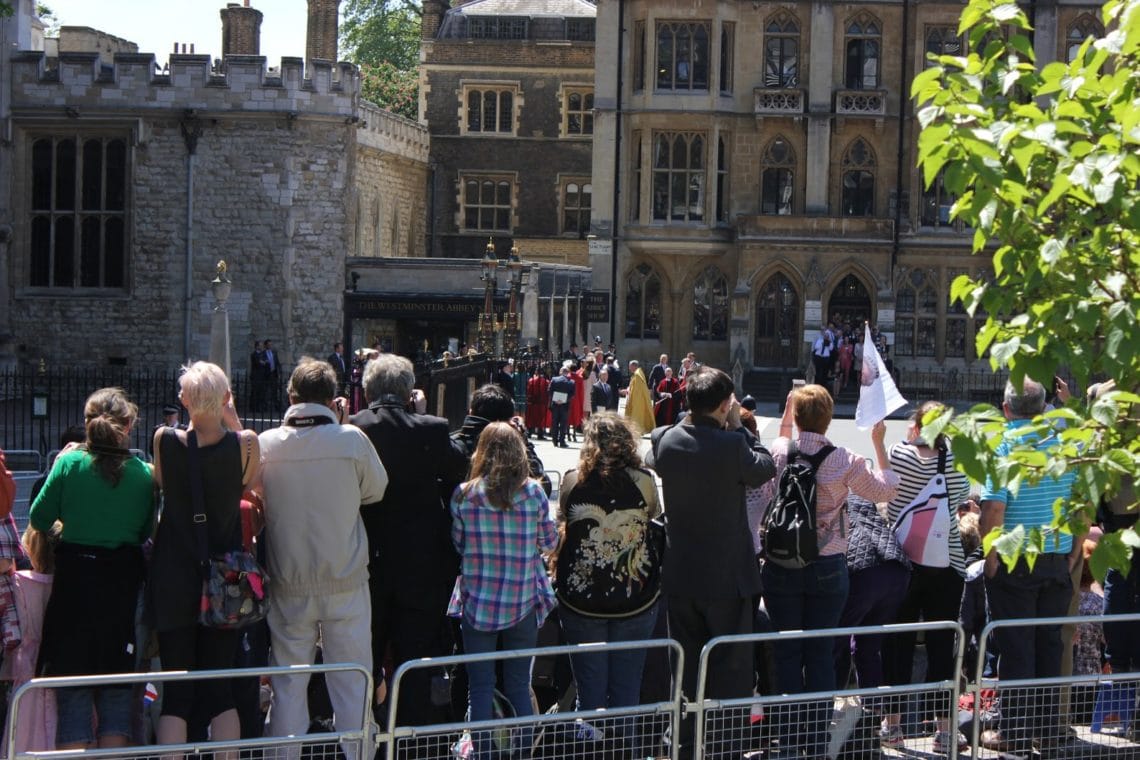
[916,315]
[710,306]
[643,303]
[1083,27]
[862,44]
[858,192]
[777,178]
[781,51]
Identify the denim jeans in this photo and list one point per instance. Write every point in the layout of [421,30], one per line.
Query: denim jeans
[808,598]
[607,679]
[112,705]
[1122,640]
[516,676]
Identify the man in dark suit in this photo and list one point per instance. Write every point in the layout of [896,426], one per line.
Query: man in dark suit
[272,376]
[603,397]
[657,374]
[413,563]
[336,361]
[562,390]
[710,575]
[256,377]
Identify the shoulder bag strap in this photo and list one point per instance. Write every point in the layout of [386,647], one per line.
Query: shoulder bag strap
[942,460]
[201,534]
[248,453]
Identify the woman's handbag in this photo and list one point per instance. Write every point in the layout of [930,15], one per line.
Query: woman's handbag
[234,586]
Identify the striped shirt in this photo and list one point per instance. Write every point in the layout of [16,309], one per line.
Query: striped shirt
[502,576]
[1033,504]
[915,471]
[841,471]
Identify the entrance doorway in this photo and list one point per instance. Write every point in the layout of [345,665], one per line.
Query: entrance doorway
[777,324]
[850,305]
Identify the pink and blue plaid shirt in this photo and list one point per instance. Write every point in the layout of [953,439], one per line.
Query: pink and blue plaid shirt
[502,576]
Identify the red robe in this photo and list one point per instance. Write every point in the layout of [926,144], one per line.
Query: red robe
[537,402]
[666,410]
[576,402]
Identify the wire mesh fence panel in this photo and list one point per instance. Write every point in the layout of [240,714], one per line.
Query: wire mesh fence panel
[26,706]
[637,731]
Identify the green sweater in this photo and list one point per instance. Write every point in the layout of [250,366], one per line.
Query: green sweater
[94,512]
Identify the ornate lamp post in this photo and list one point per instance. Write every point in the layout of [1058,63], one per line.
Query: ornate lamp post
[487,319]
[513,320]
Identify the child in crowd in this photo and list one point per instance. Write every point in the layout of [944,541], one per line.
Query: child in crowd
[35,729]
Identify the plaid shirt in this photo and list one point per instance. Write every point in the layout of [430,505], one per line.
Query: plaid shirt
[502,576]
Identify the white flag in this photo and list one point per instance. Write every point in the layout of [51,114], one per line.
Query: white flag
[878,395]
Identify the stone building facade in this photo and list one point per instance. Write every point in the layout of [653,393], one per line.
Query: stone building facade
[754,177]
[128,183]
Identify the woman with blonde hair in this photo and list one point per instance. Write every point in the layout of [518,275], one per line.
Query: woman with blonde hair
[227,461]
[608,575]
[104,496]
[501,528]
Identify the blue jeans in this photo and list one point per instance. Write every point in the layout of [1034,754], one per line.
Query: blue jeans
[112,705]
[608,679]
[516,676]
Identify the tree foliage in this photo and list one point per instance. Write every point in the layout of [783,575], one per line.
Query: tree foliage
[383,38]
[1045,166]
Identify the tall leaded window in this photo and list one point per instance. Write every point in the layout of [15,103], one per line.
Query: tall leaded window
[916,315]
[1082,28]
[941,40]
[936,203]
[78,213]
[710,306]
[578,112]
[727,32]
[781,51]
[721,180]
[862,44]
[858,191]
[956,321]
[638,56]
[487,203]
[679,176]
[683,55]
[777,178]
[643,303]
[576,199]
[491,111]
[635,172]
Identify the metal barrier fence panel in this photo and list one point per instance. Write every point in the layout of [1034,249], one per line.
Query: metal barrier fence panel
[641,731]
[356,744]
[1086,715]
[842,724]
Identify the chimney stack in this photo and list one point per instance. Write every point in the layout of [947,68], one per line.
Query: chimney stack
[241,30]
[322,33]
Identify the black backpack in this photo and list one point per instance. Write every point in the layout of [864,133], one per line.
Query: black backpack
[789,524]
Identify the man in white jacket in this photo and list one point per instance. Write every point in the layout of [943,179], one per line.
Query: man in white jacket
[315,474]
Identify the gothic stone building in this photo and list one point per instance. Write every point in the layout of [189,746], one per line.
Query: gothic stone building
[754,173]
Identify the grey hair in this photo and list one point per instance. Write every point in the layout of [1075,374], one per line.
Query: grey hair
[389,374]
[1027,404]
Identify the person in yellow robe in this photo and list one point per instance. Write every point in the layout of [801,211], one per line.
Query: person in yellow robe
[638,406]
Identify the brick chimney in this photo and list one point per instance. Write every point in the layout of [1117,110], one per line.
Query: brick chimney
[432,17]
[320,42]
[241,30]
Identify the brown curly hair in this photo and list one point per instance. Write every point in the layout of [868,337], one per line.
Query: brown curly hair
[500,460]
[610,446]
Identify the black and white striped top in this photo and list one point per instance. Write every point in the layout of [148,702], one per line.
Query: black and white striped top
[915,471]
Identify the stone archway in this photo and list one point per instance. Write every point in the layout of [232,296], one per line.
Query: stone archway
[850,302]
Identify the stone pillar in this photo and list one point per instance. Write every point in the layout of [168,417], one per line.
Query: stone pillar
[820,85]
[241,30]
[320,41]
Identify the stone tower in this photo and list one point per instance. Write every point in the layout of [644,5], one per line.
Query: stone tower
[320,43]
[241,30]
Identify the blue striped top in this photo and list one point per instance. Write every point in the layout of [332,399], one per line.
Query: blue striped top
[1033,504]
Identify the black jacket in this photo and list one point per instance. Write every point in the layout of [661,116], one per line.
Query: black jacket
[704,470]
[467,437]
[599,397]
[409,530]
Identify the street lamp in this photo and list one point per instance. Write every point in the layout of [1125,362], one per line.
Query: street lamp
[489,264]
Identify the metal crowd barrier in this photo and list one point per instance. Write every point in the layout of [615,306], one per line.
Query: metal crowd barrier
[833,724]
[1079,716]
[639,731]
[358,744]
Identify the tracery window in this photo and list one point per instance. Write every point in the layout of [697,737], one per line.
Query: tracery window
[777,178]
[643,303]
[916,315]
[710,306]
[781,51]
[683,55]
[1082,28]
[862,43]
[679,176]
[858,191]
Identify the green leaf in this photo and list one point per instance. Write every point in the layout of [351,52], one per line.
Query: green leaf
[1110,551]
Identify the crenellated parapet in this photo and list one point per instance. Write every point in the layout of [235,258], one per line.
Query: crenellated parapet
[134,81]
[388,132]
